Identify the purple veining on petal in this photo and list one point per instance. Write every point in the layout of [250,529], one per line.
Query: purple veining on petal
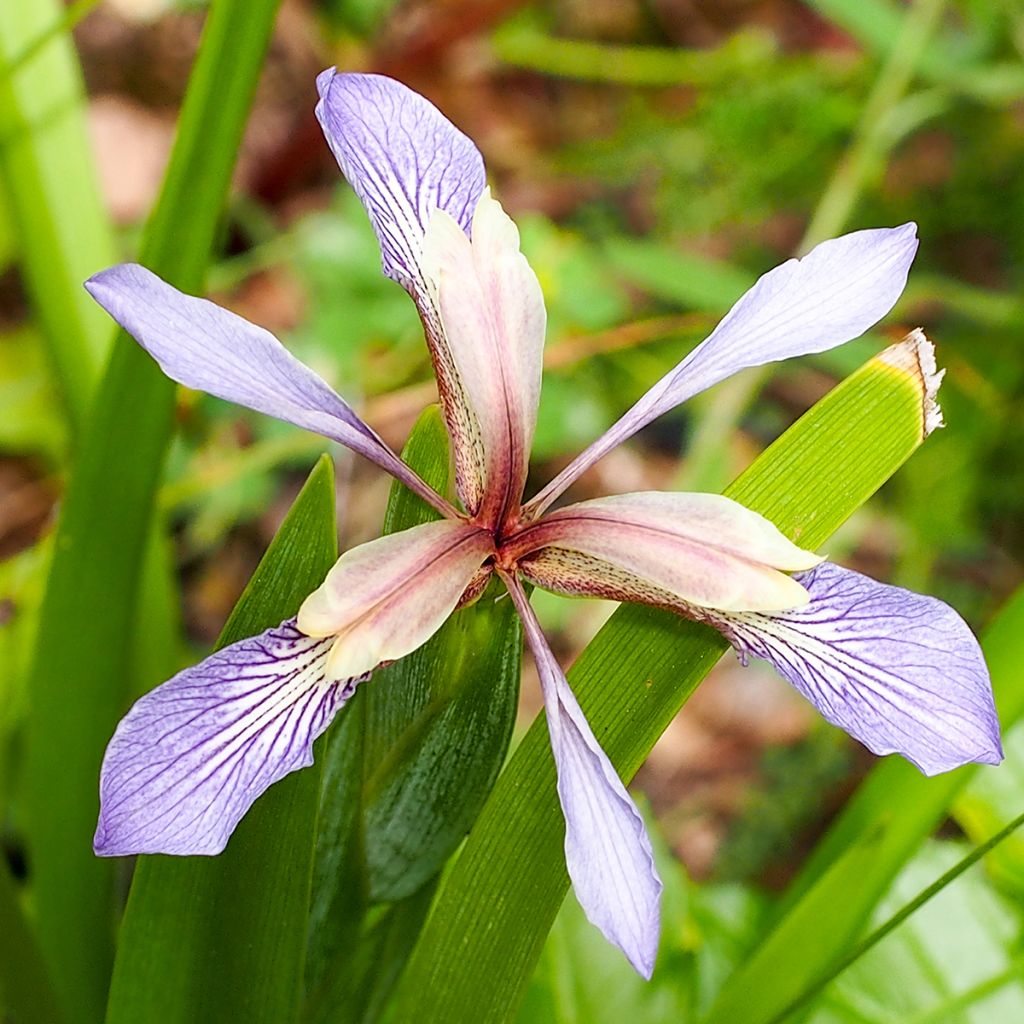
[898,671]
[403,158]
[191,756]
[201,345]
[607,850]
[832,295]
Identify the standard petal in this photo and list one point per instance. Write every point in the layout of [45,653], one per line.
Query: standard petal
[385,598]
[607,850]
[900,672]
[190,757]
[201,345]
[682,550]
[493,319]
[403,158]
[832,295]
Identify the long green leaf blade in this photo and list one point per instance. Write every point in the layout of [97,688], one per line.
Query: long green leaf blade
[488,926]
[212,939]
[78,684]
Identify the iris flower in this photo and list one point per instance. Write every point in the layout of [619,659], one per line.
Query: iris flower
[898,671]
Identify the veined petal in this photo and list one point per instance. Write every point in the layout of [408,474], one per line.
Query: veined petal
[403,158]
[201,345]
[898,671]
[493,318]
[385,598]
[607,850]
[830,296]
[684,550]
[191,756]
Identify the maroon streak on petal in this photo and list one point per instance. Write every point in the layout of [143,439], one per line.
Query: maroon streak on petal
[832,295]
[900,672]
[607,850]
[191,756]
[205,347]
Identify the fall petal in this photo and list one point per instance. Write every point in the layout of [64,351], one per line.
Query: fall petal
[493,319]
[385,598]
[403,158]
[701,550]
[191,756]
[898,671]
[201,345]
[607,850]
[832,295]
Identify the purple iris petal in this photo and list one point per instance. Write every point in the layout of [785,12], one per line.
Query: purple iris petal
[900,672]
[830,296]
[203,346]
[403,158]
[190,757]
[607,850]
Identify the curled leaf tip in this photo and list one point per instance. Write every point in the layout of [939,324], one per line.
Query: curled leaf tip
[915,355]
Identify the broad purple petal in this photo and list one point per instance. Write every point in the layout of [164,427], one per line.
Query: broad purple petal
[190,757]
[201,345]
[607,850]
[403,158]
[898,671]
[832,295]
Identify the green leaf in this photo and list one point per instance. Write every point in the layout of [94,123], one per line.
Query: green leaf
[488,925]
[79,680]
[438,722]
[213,939]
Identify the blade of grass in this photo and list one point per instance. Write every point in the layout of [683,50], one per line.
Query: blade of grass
[876,936]
[212,939]
[78,684]
[52,194]
[488,925]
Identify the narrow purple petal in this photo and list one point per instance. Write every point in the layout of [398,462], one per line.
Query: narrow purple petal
[403,158]
[832,295]
[201,345]
[191,756]
[900,672]
[607,850]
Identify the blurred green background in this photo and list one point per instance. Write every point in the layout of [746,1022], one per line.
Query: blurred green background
[658,155]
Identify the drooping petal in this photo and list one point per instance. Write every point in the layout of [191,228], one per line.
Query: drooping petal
[675,549]
[385,598]
[191,756]
[898,671]
[403,158]
[493,317]
[201,345]
[832,295]
[607,850]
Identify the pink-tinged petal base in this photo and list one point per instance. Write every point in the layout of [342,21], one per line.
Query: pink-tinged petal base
[385,598]
[190,757]
[832,295]
[683,550]
[898,671]
[492,313]
[607,850]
